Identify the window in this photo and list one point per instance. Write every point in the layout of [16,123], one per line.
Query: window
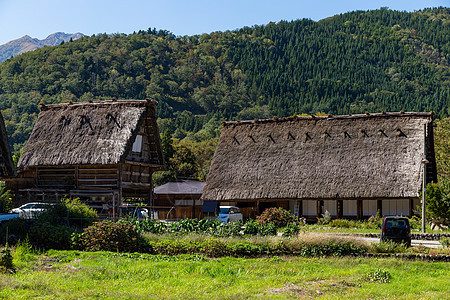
[137,146]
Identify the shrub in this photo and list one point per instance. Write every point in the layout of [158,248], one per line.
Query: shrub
[326,218]
[438,201]
[6,203]
[68,211]
[151,226]
[110,236]
[344,223]
[388,247]
[267,229]
[251,227]
[23,251]
[47,236]
[415,222]
[305,245]
[445,242]
[291,229]
[277,216]
[6,261]
[16,229]
[374,221]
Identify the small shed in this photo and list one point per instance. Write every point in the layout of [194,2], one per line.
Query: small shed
[179,199]
[351,166]
[100,152]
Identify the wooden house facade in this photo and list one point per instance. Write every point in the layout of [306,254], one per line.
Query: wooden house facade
[100,152]
[179,199]
[351,166]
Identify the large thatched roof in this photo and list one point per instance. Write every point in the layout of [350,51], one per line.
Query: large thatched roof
[87,133]
[7,169]
[346,157]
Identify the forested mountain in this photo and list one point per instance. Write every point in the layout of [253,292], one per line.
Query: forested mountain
[27,43]
[361,61]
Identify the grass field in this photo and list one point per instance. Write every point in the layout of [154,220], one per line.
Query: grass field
[104,275]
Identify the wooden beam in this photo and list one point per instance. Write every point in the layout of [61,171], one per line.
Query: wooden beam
[142,164]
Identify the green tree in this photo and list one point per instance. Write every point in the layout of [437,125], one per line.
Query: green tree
[442,147]
[438,202]
[167,148]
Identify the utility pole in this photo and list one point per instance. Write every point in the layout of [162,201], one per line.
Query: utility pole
[424,187]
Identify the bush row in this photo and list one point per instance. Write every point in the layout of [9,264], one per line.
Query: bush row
[214,247]
[124,237]
[213,227]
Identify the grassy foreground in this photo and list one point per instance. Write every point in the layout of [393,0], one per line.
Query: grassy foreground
[105,275]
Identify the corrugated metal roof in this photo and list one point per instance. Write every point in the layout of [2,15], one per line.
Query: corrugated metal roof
[180,187]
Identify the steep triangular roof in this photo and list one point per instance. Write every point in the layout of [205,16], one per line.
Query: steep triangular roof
[336,157]
[89,133]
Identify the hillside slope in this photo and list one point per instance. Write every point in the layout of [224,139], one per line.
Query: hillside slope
[354,62]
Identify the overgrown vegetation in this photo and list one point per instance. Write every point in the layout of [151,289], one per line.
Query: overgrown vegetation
[6,203]
[438,202]
[110,236]
[276,216]
[53,228]
[6,261]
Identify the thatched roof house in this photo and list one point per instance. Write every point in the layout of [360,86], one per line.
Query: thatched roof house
[7,169]
[87,133]
[359,157]
[93,150]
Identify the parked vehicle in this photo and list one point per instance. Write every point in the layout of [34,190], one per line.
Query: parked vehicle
[31,210]
[137,212]
[6,217]
[396,229]
[230,214]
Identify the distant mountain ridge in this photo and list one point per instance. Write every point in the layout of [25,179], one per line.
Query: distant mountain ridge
[27,43]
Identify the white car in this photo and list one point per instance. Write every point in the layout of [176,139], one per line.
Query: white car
[31,210]
[230,214]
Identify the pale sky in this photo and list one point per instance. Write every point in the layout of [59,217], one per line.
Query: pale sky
[40,18]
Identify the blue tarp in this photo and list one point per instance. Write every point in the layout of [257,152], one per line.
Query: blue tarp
[210,206]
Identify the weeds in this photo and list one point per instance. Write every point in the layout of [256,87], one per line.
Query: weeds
[387,247]
[6,261]
[381,276]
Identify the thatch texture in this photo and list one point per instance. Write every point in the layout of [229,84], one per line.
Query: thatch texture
[342,157]
[85,133]
[7,169]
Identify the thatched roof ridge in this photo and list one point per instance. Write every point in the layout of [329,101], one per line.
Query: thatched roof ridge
[145,102]
[329,117]
[85,133]
[370,156]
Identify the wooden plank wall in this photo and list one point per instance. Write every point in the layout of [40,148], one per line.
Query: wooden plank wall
[97,177]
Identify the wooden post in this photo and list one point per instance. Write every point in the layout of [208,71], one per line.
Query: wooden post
[120,202]
[424,187]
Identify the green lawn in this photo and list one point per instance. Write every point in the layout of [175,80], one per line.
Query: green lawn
[102,275]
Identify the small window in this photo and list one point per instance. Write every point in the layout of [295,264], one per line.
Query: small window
[137,146]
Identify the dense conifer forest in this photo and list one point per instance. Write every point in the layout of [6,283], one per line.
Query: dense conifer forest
[373,61]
